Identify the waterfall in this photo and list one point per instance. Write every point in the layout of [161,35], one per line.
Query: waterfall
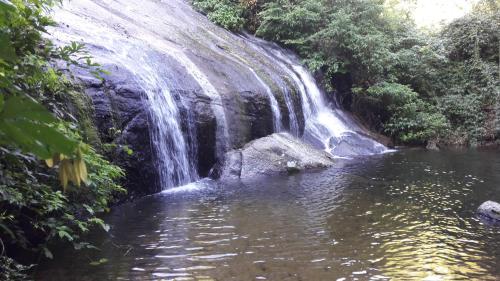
[175,152]
[161,42]
[217,105]
[326,126]
[171,149]
[277,122]
[294,123]
[277,119]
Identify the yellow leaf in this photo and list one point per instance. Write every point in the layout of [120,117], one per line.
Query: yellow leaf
[63,174]
[49,162]
[72,173]
[83,171]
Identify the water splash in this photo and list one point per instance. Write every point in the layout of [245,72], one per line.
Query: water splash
[171,149]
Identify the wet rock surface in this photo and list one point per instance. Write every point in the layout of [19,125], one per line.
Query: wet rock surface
[272,155]
[351,144]
[122,116]
[181,91]
[490,210]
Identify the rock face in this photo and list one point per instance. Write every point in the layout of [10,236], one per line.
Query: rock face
[272,155]
[121,117]
[168,47]
[182,86]
[490,210]
[351,144]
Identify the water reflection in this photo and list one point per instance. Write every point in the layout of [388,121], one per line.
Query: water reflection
[407,216]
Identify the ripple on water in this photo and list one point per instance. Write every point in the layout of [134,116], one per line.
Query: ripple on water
[403,216]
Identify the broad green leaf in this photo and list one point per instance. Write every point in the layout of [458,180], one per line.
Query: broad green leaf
[39,139]
[64,234]
[11,134]
[6,7]
[25,107]
[7,51]
[1,102]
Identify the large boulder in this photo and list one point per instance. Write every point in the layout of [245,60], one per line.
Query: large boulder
[272,155]
[490,210]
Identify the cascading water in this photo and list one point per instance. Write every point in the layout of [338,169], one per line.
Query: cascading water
[171,149]
[294,123]
[217,106]
[338,136]
[277,119]
[277,122]
[149,37]
[175,156]
[326,126]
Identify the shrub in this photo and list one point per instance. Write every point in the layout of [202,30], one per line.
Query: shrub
[225,13]
[411,120]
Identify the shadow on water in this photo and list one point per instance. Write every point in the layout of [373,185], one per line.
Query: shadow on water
[403,216]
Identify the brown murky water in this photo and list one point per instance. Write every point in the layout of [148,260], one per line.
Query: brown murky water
[403,216]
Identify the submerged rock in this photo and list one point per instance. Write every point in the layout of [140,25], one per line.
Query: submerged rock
[490,209]
[272,155]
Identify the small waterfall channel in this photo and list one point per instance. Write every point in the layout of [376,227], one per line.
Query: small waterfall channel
[175,166]
[139,37]
[326,126]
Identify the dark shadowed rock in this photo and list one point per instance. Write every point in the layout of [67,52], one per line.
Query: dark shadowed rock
[121,117]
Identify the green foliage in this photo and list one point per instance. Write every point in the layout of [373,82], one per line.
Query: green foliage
[474,36]
[11,270]
[289,22]
[451,78]
[29,126]
[38,121]
[34,213]
[412,120]
[225,13]
[25,76]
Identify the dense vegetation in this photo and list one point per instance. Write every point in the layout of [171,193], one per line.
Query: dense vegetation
[53,183]
[416,86]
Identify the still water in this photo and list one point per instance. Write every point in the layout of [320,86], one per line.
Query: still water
[403,216]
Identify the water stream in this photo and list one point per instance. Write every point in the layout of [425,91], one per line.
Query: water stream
[403,216]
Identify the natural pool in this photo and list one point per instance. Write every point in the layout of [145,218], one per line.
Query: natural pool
[408,215]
